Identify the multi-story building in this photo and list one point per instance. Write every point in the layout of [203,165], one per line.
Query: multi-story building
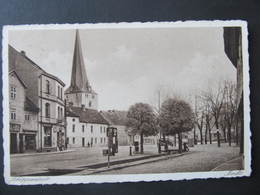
[86,128]
[23,117]
[45,92]
[85,124]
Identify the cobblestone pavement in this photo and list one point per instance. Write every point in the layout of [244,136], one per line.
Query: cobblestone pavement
[203,158]
[30,163]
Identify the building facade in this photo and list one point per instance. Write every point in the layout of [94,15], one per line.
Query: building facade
[85,128]
[23,117]
[43,113]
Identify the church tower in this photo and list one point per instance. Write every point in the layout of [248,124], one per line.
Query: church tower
[80,92]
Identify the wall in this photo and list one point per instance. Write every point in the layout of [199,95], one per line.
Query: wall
[17,104]
[99,132]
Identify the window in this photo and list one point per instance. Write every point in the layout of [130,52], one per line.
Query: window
[13,115]
[73,119]
[95,140]
[68,140]
[73,128]
[27,117]
[73,140]
[101,140]
[47,136]
[100,129]
[104,140]
[47,87]
[91,141]
[61,112]
[47,110]
[58,91]
[13,92]
[91,129]
[104,129]
[61,93]
[93,96]
[83,128]
[89,104]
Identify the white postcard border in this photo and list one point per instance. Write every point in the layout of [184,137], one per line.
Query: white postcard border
[129,177]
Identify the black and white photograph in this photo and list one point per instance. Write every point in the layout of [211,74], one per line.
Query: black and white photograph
[94,103]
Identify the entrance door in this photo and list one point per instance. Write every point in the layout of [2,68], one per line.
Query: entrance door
[83,141]
[13,143]
[30,142]
[21,144]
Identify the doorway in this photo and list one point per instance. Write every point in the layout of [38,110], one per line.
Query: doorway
[83,141]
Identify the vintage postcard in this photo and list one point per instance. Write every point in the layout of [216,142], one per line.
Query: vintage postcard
[120,102]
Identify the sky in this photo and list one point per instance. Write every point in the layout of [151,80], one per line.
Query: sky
[126,66]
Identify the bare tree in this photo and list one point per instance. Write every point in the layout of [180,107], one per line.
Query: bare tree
[199,118]
[230,107]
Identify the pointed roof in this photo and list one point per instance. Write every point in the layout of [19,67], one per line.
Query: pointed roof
[79,81]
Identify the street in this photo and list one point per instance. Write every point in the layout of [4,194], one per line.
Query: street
[200,158]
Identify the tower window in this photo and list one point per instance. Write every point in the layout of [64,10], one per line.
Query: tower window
[73,128]
[83,128]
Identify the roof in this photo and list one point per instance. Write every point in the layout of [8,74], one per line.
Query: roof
[28,71]
[115,117]
[87,115]
[79,81]
[18,77]
[30,106]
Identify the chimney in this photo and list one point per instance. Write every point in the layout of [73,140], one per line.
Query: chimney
[23,53]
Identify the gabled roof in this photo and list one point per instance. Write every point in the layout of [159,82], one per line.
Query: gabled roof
[18,77]
[115,117]
[79,81]
[86,115]
[28,71]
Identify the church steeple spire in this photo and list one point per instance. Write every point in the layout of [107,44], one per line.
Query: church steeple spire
[79,81]
[80,92]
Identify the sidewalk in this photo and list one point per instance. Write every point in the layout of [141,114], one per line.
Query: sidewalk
[234,164]
[39,153]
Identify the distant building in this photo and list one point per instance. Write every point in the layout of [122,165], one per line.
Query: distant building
[118,120]
[85,128]
[85,125]
[44,92]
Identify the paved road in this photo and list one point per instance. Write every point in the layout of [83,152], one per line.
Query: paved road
[30,164]
[203,158]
